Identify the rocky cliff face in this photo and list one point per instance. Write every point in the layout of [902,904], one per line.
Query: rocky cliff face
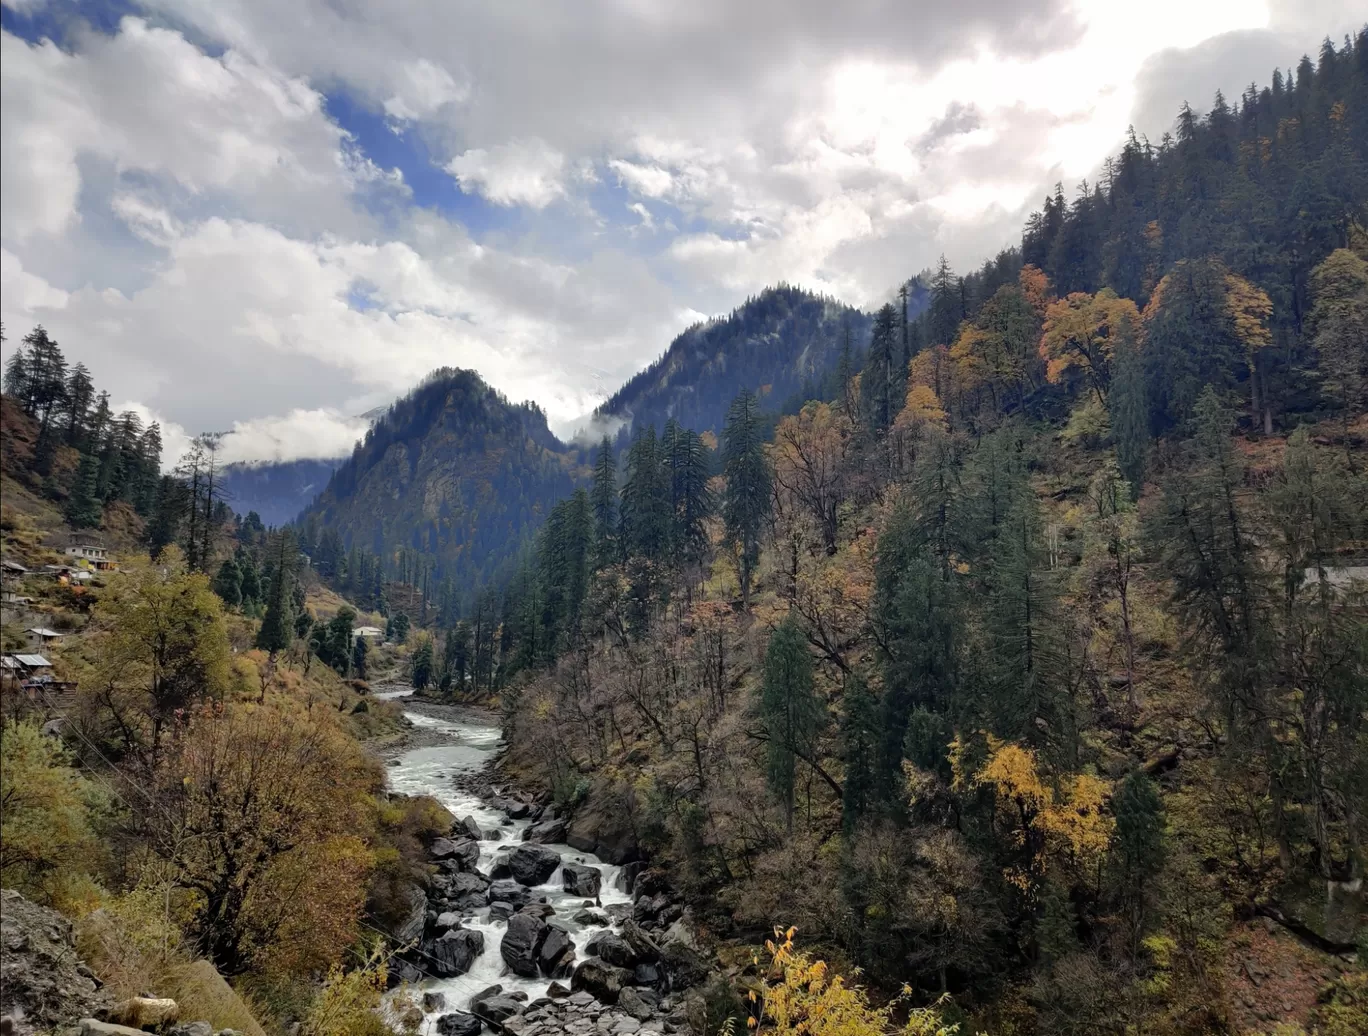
[43,983]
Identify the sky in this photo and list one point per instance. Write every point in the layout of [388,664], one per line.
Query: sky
[266,217]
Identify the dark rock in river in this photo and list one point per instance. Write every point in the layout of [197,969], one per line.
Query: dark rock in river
[546,831]
[611,948]
[533,864]
[470,826]
[642,944]
[521,943]
[500,911]
[683,967]
[508,891]
[496,1009]
[591,919]
[459,1024]
[603,825]
[454,953]
[602,981]
[557,954]
[581,879]
[412,925]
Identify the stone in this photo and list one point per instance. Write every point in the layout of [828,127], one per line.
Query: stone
[496,1009]
[500,911]
[580,879]
[459,1023]
[591,919]
[42,979]
[144,1012]
[603,824]
[433,1001]
[191,1029]
[540,909]
[625,1027]
[454,952]
[612,949]
[441,848]
[683,968]
[645,975]
[546,831]
[521,943]
[642,944]
[602,981]
[680,932]
[627,876]
[557,954]
[506,890]
[516,810]
[465,855]
[470,826]
[556,991]
[449,919]
[499,870]
[487,992]
[411,928]
[91,1027]
[631,1002]
[533,864]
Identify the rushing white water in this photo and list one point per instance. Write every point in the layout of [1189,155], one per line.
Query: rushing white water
[429,771]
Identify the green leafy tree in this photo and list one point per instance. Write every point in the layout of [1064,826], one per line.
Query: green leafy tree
[399,633]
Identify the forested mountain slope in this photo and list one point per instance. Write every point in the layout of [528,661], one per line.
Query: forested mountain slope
[441,493]
[780,344]
[277,490]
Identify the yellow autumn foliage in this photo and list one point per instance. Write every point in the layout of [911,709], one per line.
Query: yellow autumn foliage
[802,995]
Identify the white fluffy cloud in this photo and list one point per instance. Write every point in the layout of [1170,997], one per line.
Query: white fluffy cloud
[184,214]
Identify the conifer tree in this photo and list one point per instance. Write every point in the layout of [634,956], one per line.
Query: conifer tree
[420,670]
[228,583]
[604,498]
[789,709]
[1128,408]
[80,393]
[746,499]
[884,379]
[1138,847]
[83,508]
[277,626]
[859,743]
[17,375]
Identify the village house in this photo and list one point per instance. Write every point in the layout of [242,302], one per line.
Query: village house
[368,632]
[89,552]
[41,636]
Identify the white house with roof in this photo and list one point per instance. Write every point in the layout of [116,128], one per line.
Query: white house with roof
[88,550]
[368,632]
[41,636]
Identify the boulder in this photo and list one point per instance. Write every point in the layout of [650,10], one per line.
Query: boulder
[646,975]
[499,870]
[631,1002]
[611,948]
[680,932]
[516,810]
[500,911]
[496,1009]
[458,1023]
[603,824]
[412,926]
[601,981]
[449,919]
[144,1012]
[591,919]
[556,991]
[580,879]
[433,1001]
[521,942]
[683,968]
[545,831]
[455,951]
[458,856]
[533,864]
[486,993]
[642,944]
[191,1029]
[470,827]
[557,954]
[541,909]
[627,876]
[42,980]
[92,1027]
[506,890]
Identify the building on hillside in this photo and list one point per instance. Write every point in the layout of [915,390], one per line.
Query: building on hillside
[29,689]
[89,552]
[68,573]
[41,636]
[368,632]
[18,600]
[13,569]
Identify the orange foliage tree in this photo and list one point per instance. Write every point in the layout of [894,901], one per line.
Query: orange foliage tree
[1080,334]
[808,456]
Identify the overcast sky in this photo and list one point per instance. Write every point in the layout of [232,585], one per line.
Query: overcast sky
[269,215]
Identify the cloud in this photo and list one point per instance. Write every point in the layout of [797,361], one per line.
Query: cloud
[187,214]
[300,434]
[523,172]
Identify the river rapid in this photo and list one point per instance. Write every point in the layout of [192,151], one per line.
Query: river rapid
[467,746]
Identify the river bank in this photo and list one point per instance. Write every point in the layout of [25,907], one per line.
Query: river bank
[514,928]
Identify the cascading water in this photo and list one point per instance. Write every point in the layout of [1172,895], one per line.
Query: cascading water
[429,771]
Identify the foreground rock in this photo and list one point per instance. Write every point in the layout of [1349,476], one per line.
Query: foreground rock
[533,864]
[43,984]
[455,951]
[580,879]
[521,943]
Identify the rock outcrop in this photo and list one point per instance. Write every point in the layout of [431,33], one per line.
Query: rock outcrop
[43,983]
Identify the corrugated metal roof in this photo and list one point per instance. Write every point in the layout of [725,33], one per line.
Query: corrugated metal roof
[43,631]
[9,662]
[33,661]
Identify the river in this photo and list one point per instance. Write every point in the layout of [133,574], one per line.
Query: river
[468,746]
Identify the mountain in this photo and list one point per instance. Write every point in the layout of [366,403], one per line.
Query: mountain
[441,493]
[782,343]
[276,490]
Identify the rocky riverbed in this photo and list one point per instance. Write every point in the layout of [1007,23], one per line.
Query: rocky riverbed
[518,930]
